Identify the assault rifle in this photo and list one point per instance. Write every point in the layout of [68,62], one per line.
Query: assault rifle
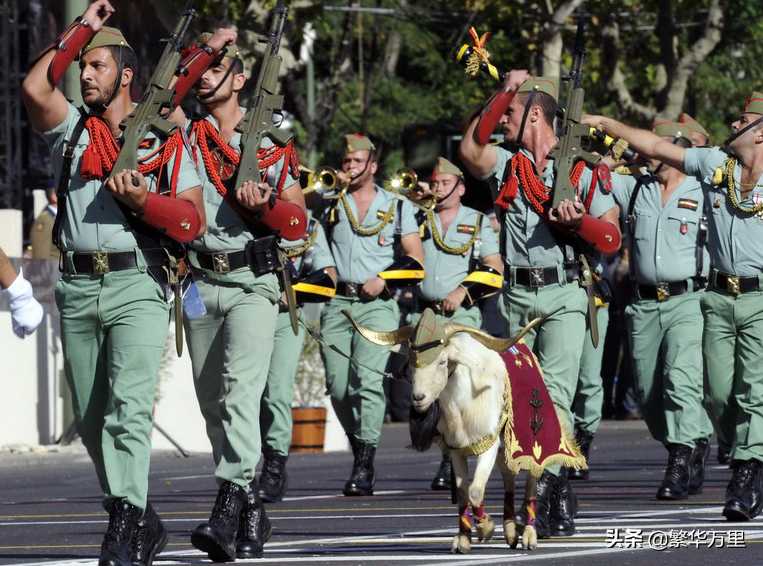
[572,133]
[156,101]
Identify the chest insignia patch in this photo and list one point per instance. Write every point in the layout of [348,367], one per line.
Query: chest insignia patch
[465,229]
[688,203]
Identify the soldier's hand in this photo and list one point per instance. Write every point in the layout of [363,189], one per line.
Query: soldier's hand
[222,37]
[97,13]
[594,121]
[343,178]
[130,187]
[454,299]
[372,288]
[514,79]
[254,196]
[569,214]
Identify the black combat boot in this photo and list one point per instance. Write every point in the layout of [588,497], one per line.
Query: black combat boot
[723,455]
[544,491]
[273,478]
[744,494]
[698,459]
[254,529]
[675,484]
[584,439]
[564,506]
[116,548]
[150,538]
[362,479]
[441,481]
[217,537]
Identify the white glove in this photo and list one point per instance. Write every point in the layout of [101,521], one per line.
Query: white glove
[26,312]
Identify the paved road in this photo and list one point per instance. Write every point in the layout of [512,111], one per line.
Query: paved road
[50,513]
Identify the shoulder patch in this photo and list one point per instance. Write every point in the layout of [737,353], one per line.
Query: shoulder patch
[466,229]
[688,203]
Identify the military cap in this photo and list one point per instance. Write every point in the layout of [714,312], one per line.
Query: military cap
[428,339]
[106,37]
[233,51]
[669,129]
[549,85]
[358,142]
[447,168]
[754,104]
[692,125]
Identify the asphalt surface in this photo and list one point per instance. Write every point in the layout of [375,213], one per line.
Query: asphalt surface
[50,511]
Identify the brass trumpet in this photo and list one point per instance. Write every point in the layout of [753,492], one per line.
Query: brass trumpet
[403,181]
[322,180]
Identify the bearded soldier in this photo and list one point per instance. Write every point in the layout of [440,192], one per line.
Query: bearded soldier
[112,237]
[732,181]
[375,242]
[231,345]
[539,246]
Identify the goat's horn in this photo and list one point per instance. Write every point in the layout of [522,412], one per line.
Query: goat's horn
[389,338]
[497,344]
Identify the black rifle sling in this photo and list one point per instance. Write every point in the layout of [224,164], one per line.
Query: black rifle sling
[63,181]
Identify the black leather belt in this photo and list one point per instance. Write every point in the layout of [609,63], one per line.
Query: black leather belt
[662,291]
[98,263]
[733,284]
[534,277]
[346,289]
[222,262]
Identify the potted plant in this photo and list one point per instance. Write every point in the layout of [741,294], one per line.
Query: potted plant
[308,409]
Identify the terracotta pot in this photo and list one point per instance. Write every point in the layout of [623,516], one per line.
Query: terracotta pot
[308,429]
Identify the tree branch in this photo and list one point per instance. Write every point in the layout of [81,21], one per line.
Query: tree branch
[551,59]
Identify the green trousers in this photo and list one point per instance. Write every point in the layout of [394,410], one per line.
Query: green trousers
[230,350]
[113,329]
[558,342]
[589,395]
[357,392]
[275,408]
[733,350]
[666,347]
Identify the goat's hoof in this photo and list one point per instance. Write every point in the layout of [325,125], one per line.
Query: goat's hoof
[462,544]
[510,533]
[485,528]
[530,538]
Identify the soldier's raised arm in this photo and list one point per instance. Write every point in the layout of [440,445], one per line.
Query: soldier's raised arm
[46,105]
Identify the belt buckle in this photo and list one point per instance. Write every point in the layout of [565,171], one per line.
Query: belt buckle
[100,262]
[732,284]
[220,262]
[353,289]
[536,277]
[663,292]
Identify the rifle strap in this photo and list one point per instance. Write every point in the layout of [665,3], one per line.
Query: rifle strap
[699,278]
[63,181]
[398,237]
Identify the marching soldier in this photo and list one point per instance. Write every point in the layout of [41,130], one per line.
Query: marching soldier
[42,230]
[114,315]
[316,282]
[375,243]
[668,265]
[732,180]
[233,267]
[538,246]
[462,262]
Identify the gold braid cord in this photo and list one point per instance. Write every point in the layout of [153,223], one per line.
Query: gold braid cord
[360,230]
[299,249]
[731,192]
[437,237]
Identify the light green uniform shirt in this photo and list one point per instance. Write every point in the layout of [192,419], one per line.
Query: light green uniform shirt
[94,221]
[735,240]
[664,237]
[359,258]
[445,271]
[530,241]
[316,257]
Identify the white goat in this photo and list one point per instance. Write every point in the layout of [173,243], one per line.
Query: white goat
[453,364]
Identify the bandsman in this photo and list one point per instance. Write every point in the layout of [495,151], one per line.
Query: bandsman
[375,242]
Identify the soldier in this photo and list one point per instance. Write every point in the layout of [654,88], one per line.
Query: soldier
[230,346]
[114,314]
[462,262]
[538,246]
[373,237]
[668,269]
[732,309]
[26,312]
[42,230]
[316,283]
